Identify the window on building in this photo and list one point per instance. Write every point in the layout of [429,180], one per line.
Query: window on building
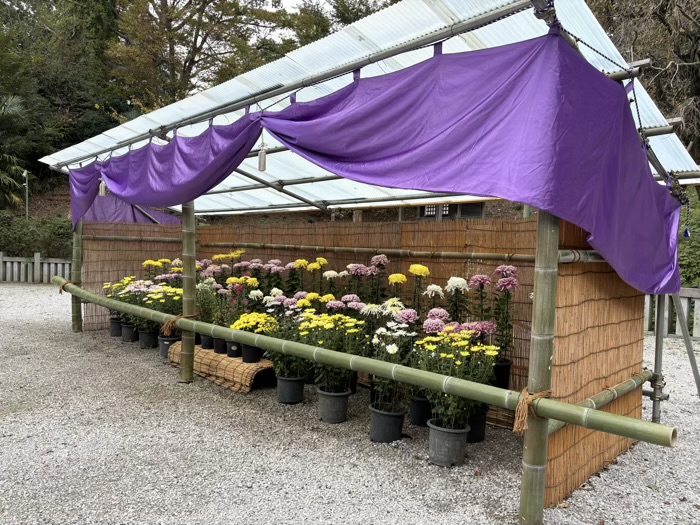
[467,210]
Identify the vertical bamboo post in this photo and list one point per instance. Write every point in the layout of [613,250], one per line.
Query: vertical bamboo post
[189,280]
[76,277]
[657,380]
[534,475]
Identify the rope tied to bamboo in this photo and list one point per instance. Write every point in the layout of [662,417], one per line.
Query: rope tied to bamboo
[525,407]
[171,325]
[62,287]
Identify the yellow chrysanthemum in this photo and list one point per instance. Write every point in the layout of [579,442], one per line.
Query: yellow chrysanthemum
[313,267]
[152,264]
[301,263]
[397,278]
[303,303]
[164,261]
[327,298]
[419,270]
[321,261]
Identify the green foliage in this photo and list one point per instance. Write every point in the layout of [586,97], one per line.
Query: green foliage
[689,249]
[50,237]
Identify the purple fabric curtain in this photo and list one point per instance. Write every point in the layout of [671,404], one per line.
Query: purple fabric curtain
[112,209]
[531,122]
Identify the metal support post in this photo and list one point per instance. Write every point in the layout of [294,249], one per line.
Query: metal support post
[657,380]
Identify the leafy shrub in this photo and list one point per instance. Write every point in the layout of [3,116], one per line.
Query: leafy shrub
[50,237]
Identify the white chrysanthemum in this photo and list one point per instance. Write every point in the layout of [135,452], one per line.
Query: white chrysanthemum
[455,284]
[256,295]
[268,300]
[276,292]
[344,273]
[371,309]
[330,274]
[392,349]
[432,290]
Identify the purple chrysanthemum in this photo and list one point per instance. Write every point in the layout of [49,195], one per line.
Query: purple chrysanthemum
[335,305]
[300,295]
[507,284]
[379,260]
[433,326]
[439,313]
[350,298]
[479,281]
[407,316]
[356,305]
[505,270]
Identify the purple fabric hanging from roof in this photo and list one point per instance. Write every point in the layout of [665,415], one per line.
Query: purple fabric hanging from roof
[112,209]
[531,122]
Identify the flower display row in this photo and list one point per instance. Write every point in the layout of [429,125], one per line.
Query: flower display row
[462,330]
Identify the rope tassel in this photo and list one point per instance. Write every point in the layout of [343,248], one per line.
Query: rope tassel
[525,406]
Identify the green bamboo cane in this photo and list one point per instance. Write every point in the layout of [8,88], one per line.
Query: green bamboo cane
[582,416]
[76,276]
[534,475]
[189,282]
[608,395]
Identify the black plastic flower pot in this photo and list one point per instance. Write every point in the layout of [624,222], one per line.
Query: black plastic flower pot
[333,406]
[446,446]
[501,372]
[251,354]
[310,377]
[385,426]
[115,328]
[420,411]
[290,390]
[148,339]
[477,424]
[197,339]
[219,345]
[207,342]
[129,333]
[233,349]
[164,345]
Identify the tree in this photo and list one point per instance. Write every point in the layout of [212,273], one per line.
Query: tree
[12,117]
[668,31]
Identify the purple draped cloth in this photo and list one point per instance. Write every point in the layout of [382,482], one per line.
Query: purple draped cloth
[112,209]
[530,122]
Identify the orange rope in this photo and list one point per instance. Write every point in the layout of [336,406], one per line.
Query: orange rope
[172,324]
[525,407]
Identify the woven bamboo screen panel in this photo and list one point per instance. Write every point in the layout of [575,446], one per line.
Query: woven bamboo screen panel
[599,343]
[110,260]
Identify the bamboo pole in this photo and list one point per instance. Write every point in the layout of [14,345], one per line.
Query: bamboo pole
[189,299]
[76,277]
[657,382]
[565,256]
[582,416]
[534,475]
[608,396]
[683,321]
[116,238]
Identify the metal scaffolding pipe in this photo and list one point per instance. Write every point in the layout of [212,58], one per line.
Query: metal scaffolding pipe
[683,321]
[189,282]
[76,277]
[585,417]
[657,381]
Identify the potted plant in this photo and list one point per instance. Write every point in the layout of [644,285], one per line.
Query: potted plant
[506,286]
[124,291]
[222,315]
[393,344]
[453,353]
[290,370]
[206,306]
[115,324]
[336,332]
[167,300]
[257,323]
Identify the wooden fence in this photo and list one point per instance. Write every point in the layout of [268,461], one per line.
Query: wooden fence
[32,269]
[690,301]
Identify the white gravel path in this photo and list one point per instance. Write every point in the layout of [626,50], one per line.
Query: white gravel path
[95,431]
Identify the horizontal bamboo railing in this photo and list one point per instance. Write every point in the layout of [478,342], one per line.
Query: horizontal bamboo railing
[608,396]
[582,416]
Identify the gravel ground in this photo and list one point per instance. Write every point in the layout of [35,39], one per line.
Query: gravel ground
[95,431]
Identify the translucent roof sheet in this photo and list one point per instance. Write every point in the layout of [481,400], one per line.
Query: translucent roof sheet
[398,25]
